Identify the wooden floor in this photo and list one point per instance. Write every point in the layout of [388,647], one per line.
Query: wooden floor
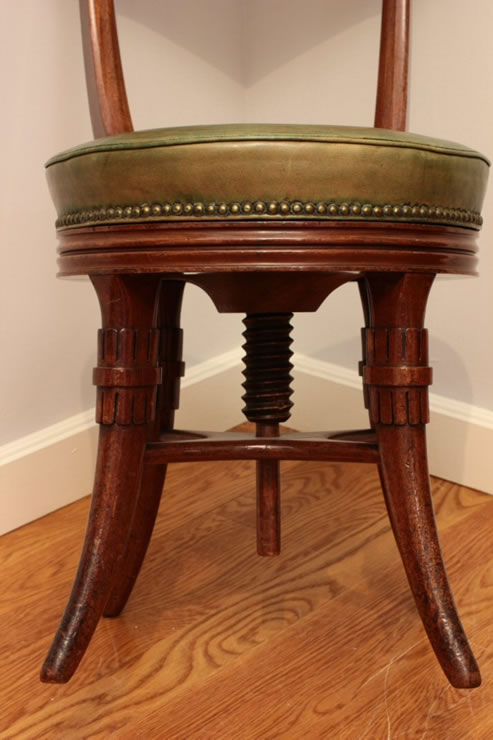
[321,642]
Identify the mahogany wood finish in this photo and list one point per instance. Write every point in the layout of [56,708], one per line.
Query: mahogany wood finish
[397,378]
[269,247]
[107,96]
[275,292]
[360,445]
[391,106]
[268,499]
[126,412]
[266,270]
[153,477]
[267,403]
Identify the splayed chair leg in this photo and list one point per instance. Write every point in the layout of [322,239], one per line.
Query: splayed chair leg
[146,510]
[127,377]
[397,378]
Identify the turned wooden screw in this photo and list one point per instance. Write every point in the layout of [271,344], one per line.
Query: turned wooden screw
[267,403]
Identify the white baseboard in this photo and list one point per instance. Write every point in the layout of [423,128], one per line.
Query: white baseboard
[54,466]
[460,435]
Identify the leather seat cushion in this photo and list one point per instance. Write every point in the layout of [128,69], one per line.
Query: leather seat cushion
[260,171]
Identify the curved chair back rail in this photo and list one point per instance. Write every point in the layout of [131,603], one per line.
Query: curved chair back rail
[392,88]
[107,95]
[106,91]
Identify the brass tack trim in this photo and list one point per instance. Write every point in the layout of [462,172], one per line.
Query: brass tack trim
[354,211]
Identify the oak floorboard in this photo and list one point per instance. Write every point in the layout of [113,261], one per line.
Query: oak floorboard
[323,641]
[305,668]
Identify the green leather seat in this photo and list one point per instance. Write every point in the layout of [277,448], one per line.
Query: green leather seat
[254,171]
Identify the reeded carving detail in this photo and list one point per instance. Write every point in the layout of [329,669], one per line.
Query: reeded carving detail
[127,376]
[128,347]
[396,346]
[260,209]
[396,376]
[398,405]
[267,367]
[171,346]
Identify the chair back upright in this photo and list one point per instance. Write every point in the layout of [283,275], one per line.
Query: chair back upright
[108,104]
[392,87]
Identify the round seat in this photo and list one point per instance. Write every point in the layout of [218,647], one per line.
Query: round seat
[268,172]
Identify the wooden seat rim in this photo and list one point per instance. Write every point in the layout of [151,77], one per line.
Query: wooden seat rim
[321,246]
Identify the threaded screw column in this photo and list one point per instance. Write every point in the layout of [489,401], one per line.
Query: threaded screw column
[267,403]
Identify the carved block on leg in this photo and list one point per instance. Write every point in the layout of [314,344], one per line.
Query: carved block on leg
[396,376]
[127,376]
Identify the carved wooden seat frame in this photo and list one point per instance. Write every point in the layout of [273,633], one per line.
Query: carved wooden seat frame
[267,270]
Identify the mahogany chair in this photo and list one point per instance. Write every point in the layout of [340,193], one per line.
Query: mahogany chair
[142,213]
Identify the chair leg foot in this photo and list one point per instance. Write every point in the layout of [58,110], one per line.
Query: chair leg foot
[118,473]
[144,518]
[408,497]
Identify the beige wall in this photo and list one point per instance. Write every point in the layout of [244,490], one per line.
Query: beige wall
[199,61]
[49,326]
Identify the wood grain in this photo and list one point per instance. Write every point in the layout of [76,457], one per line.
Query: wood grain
[392,88]
[322,641]
[285,246]
[106,92]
